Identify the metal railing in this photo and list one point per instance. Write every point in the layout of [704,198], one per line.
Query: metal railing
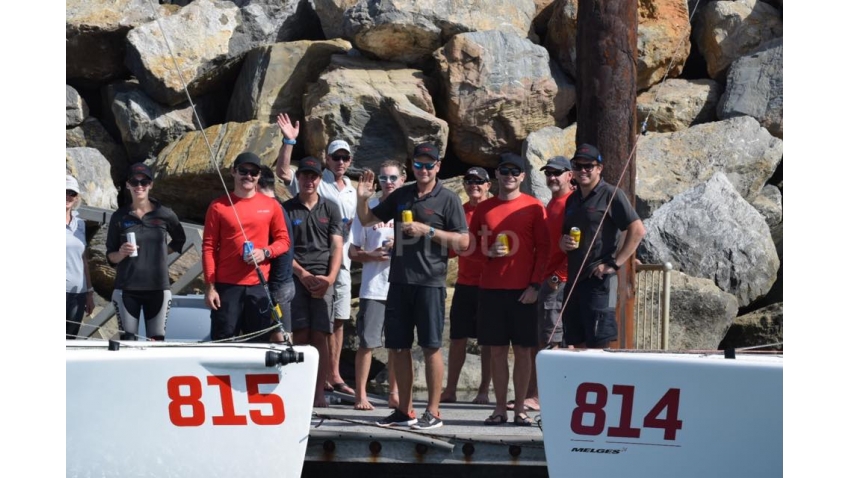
[652,306]
[194,237]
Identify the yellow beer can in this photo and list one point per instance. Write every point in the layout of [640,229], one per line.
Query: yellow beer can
[503,239]
[407,216]
[575,233]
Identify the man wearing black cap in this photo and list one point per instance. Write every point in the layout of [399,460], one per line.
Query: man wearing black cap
[234,294]
[589,318]
[511,276]
[317,239]
[463,314]
[417,294]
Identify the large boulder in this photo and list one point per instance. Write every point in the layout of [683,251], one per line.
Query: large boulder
[756,329]
[95,33]
[663,38]
[92,172]
[754,88]
[728,30]
[497,89]
[677,104]
[382,109]
[410,30]
[670,163]
[710,231]
[187,177]
[331,15]
[92,134]
[76,109]
[700,313]
[274,78]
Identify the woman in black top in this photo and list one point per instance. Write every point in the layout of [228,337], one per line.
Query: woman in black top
[141,283]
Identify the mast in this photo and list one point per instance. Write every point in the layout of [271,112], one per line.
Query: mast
[606,62]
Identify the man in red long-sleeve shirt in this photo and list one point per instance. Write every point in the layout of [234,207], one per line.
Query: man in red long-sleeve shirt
[510,281]
[234,294]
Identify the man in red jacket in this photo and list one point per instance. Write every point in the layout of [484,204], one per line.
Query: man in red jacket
[233,291]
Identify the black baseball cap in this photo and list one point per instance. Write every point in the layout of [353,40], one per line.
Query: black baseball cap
[426,149]
[310,164]
[140,168]
[558,162]
[511,159]
[587,151]
[247,158]
[477,172]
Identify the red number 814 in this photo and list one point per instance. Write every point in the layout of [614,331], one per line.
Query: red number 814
[596,409]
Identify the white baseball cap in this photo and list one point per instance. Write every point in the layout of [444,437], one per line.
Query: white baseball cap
[337,145]
[71,183]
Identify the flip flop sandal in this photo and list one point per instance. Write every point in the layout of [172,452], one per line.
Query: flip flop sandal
[496,420]
[341,388]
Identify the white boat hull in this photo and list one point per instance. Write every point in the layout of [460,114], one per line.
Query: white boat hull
[186,410]
[660,415]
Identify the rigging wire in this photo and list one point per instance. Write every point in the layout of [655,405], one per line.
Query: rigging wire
[629,159]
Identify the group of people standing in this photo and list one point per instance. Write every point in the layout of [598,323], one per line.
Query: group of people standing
[518,263]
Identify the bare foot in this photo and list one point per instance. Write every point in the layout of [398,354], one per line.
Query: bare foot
[481,399]
[320,402]
[448,397]
[532,404]
[362,404]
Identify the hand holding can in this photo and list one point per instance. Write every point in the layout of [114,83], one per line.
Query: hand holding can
[131,238]
[575,234]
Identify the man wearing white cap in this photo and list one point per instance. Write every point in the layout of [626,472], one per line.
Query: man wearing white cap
[334,187]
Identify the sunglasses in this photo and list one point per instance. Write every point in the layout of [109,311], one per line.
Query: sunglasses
[512,171]
[427,166]
[248,172]
[388,179]
[477,182]
[553,174]
[139,182]
[341,157]
[68,192]
[584,166]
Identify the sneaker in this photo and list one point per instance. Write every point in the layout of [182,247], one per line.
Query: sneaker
[397,418]
[427,422]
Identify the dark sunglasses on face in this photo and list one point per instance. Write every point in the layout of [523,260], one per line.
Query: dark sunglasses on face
[553,174]
[388,179]
[341,157]
[477,182]
[583,166]
[68,192]
[512,171]
[248,172]
[428,166]
[139,182]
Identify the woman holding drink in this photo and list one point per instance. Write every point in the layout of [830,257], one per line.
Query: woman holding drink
[136,243]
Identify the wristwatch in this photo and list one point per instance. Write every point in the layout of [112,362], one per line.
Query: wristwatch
[267,253]
[613,264]
[431,233]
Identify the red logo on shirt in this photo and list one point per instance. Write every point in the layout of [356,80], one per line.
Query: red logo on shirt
[428,212]
[323,220]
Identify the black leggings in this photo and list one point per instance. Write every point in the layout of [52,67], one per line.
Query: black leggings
[130,305]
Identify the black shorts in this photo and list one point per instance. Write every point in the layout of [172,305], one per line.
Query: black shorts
[244,309]
[589,317]
[463,314]
[312,313]
[504,320]
[412,307]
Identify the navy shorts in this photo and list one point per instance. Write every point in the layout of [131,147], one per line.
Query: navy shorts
[589,317]
[463,314]
[416,307]
[244,309]
[504,320]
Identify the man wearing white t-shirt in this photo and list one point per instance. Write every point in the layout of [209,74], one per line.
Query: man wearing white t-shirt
[373,247]
[334,187]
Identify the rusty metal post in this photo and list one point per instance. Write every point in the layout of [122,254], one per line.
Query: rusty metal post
[606,61]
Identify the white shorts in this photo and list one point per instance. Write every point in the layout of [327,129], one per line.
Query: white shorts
[342,295]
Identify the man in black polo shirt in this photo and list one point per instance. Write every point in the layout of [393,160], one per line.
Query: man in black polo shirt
[317,240]
[417,294]
[589,316]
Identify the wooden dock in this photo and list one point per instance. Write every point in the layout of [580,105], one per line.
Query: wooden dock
[343,436]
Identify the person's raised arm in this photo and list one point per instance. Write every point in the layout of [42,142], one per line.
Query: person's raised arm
[365,191]
[284,156]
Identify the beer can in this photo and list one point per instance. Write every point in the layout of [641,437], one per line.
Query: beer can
[247,249]
[575,233]
[131,238]
[503,239]
[407,216]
